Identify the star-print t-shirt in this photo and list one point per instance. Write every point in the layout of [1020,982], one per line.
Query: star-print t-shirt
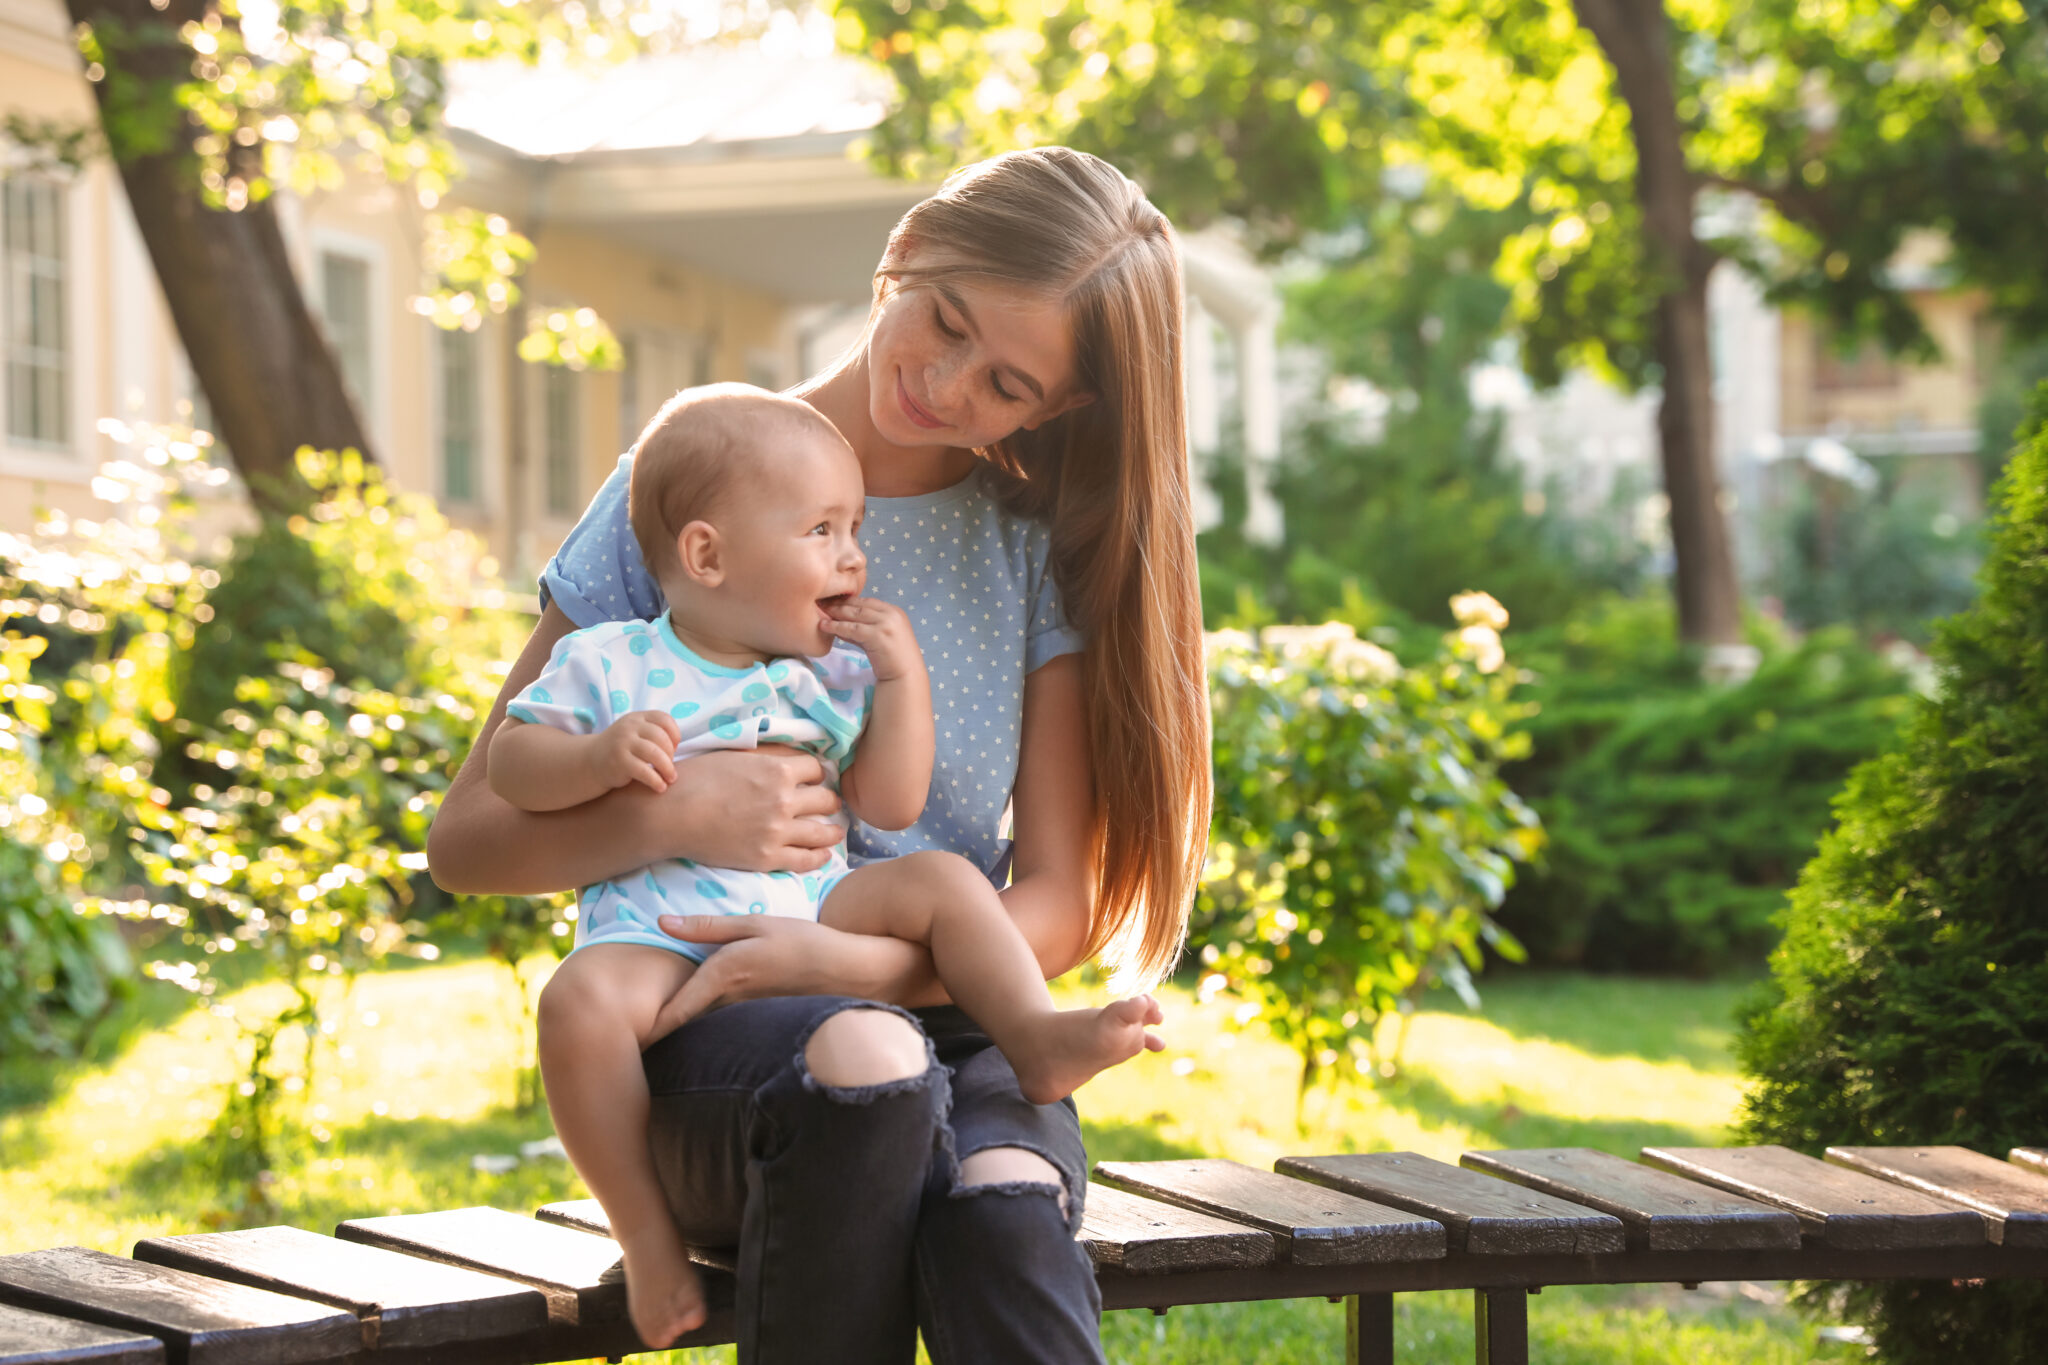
[973,580]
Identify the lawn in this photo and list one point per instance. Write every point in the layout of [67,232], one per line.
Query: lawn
[416,1082]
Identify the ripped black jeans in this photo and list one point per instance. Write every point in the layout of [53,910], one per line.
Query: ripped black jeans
[852,1230]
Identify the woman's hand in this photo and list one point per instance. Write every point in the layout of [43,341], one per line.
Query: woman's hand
[768,955]
[762,811]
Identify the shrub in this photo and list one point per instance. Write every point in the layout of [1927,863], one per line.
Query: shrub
[1679,811]
[275,802]
[1908,1003]
[1361,833]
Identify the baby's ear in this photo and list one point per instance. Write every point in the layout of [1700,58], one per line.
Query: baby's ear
[701,553]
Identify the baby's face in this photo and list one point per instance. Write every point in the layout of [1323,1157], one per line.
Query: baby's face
[790,539]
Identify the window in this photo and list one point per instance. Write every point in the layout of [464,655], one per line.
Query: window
[558,440]
[345,306]
[33,299]
[461,410]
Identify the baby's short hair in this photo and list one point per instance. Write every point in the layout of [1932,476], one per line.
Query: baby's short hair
[686,461]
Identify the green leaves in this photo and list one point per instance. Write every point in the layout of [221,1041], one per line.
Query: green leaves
[1361,836]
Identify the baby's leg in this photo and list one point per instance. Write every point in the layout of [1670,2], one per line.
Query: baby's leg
[944,902]
[596,1013]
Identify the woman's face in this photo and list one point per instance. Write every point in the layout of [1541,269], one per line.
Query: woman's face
[964,363]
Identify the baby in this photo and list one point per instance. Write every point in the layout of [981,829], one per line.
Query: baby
[747,506]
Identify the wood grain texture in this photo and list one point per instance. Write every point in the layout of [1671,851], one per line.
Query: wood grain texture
[1483,1216]
[587,1215]
[403,1301]
[201,1321]
[1660,1211]
[31,1338]
[1841,1207]
[580,1275]
[1316,1226]
[1147,1237]
[2013,1201]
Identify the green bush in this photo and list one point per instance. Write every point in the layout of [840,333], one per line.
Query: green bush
[1679,811]
[60,970]
[230,792]
[1361,833]
[1908,1003]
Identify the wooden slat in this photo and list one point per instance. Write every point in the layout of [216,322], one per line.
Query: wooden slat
[587,1215]
[200,1321]
[580,1275]
[1661,1212]
[402,1301]
[1316,1226]
[2032,1158]
[2014,1201]
[1841,1207]
[30,1338]
[1484,1216]
[1147,1237]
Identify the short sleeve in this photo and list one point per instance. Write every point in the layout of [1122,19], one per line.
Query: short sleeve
[570,693]
[598,574]
[1049,635]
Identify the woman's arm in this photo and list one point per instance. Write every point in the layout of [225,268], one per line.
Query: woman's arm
[753,811]
[1051,894]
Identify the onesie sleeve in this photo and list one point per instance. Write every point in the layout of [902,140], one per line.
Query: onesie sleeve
[597,574]
[1049,635]
[570,693]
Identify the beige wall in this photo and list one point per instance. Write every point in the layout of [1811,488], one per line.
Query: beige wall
[125,359]
[1901,396]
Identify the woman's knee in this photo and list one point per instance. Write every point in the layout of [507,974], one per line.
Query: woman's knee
[860,1047]
[1008,1168]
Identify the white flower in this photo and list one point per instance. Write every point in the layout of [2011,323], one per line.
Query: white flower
[1217,643]
[1484,644]
[1299,642]
[1479,609]
[1364,661]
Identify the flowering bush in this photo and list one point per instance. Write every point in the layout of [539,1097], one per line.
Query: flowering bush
[244,762]
[1362,836]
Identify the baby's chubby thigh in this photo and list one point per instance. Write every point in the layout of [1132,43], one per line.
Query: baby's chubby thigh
[902,897]
[603,989]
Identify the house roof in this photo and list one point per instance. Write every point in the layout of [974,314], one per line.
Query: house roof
[786,85]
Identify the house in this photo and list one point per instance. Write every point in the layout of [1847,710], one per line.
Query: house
[707,204]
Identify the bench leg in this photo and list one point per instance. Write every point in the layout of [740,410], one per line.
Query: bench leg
[1500,1327]
[1369,1329]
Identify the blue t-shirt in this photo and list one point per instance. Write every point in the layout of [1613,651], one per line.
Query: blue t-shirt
[974,582]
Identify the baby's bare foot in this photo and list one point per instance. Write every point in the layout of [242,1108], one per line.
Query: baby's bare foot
[664,1297]
[1072,1046]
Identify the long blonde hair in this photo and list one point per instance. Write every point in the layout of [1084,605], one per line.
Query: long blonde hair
[1111,479]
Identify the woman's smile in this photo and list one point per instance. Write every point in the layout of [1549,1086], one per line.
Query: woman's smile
[912,409]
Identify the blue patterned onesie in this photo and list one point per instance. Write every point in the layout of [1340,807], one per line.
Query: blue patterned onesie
[607,670]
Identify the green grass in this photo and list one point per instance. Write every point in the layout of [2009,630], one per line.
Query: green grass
[417,1077]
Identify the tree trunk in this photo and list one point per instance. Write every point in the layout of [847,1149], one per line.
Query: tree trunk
[269,376]
[1635,36]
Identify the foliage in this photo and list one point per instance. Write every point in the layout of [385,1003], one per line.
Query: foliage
[1886,561]
[60,972]
[1908,1002]
[286,820]
[1361,834]
[1849,126]
[1679,810]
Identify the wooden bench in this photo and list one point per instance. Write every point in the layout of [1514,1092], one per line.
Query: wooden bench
[496,1288]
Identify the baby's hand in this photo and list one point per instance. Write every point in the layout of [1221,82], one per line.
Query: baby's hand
[637,747]
[883,631]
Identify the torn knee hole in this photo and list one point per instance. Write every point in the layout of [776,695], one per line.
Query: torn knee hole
[861,1048]
[1011,1170]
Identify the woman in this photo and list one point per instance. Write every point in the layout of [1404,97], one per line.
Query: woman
[1016,406]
